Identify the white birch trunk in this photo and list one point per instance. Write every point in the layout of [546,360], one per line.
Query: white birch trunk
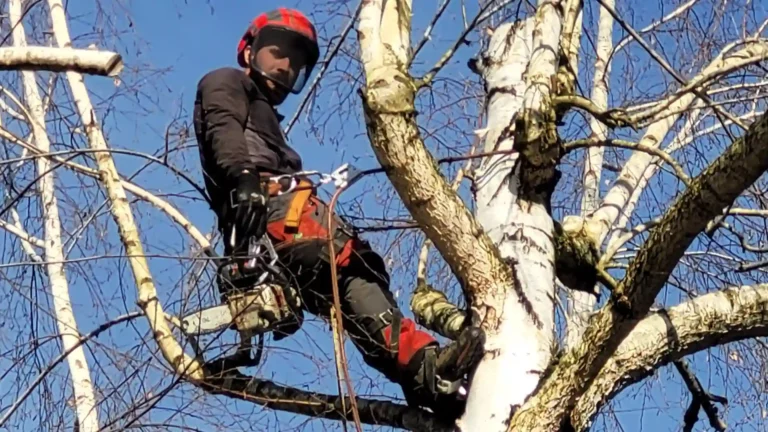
[518,77]
[182,364]
[85,399]
[581,304]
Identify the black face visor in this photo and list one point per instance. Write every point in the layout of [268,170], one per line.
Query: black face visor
[284,43]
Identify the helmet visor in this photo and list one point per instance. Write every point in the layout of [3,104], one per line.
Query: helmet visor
[282,57]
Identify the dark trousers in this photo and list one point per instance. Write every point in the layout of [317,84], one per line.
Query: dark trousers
[368,306]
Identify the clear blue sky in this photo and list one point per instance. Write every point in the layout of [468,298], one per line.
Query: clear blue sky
[186,41]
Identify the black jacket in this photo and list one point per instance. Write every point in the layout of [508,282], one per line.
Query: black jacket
[237,129]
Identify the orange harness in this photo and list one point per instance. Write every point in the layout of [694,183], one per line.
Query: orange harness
[298,220]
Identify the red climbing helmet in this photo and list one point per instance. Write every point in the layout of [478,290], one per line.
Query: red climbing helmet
[293,34]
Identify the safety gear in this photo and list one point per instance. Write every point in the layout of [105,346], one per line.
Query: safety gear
[431,376]
[250,205]
[434,375]
[293,34]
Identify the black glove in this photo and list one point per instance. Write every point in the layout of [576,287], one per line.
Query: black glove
[251,208]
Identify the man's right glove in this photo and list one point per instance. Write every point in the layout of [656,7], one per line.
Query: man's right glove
[251,208]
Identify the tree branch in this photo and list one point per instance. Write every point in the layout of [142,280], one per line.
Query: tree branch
[273,396]
[730,174]
[85,61]
[579,304]
[627,183]
[434,311]
[327,61]
[668,335]
[666,65]
[700,398]
[21,234]
[481,15]
[655,151]
[63,356]
[161,204]
[388,103]
[173,353]
[613,118]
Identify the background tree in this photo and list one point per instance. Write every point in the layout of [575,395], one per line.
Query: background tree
[613,149]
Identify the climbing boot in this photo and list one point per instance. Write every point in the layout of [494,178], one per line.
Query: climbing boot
[434,375]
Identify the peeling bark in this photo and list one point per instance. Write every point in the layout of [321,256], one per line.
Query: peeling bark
[513,192]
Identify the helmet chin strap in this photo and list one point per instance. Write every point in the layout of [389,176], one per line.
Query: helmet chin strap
[261,78]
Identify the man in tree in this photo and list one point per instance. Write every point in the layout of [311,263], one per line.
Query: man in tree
[241,146]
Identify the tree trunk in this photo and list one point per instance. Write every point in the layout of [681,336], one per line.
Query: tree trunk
[520,347]
[85,399]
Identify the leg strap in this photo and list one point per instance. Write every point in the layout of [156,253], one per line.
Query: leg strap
[376,325]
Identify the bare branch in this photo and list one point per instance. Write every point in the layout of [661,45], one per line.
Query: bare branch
[327,61]
[159,203]
[270,395]
[482,14]
[730,174]
[700,398]
[428,32]
[21,234]
[434,311]
[627,185]
[85,61]
[670,16]
[665,336]
[661,154]
[79,369]
[181,363]
[666,65]
[579,304]
[63,356]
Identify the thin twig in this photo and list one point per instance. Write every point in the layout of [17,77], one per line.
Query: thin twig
[745,267]
[83,339]
[428,32]
[480,17]
[700,397]
[655,151]
[151,158]
[667,67]
[331,54]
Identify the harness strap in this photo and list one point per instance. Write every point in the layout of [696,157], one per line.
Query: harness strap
[295,209]
[304,190]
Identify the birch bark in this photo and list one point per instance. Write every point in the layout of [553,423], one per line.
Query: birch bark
[121,211]
[581,304]
[85,399]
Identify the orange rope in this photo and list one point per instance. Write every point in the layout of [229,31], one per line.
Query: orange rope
[339,327]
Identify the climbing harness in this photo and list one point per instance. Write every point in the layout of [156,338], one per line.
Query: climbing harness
[261,299]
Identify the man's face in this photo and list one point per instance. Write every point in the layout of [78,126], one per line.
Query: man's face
[280,64]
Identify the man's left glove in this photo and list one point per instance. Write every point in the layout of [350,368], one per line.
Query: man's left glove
[251,208]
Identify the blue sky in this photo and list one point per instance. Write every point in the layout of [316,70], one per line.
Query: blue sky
[183,42]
